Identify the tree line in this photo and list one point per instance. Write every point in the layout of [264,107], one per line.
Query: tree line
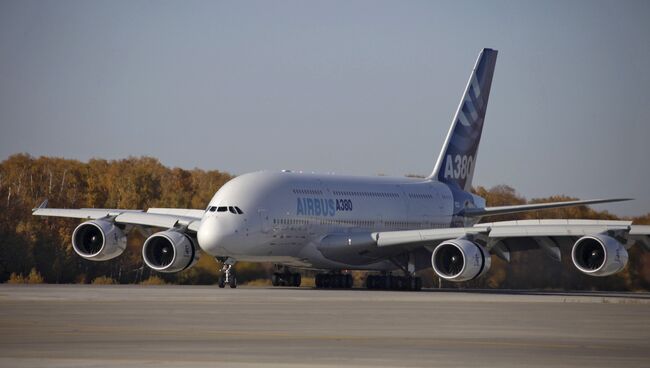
[39,249]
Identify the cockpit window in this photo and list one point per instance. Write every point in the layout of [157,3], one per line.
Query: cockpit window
[232,209]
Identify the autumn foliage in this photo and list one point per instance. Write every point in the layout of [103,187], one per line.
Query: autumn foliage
[36,249]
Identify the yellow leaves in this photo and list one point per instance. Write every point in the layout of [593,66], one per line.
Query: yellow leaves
[153,280]
[104,280]
[34,277]
[16,278]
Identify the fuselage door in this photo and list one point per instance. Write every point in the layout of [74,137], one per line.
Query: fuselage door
[264,220]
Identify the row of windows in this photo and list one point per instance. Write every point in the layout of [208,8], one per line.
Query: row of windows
[359,223]
[411,224]
[419,195]
[232,209]
[353,193]
[366,194]
[308,191]
[290,221]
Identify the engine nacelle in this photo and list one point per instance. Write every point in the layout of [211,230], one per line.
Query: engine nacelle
[599,255]
[460,260]
[98,240]
[170,251]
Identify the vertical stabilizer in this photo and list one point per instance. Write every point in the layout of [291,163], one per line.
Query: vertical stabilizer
[455,165]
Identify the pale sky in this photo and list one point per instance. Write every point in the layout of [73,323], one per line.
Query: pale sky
[354,87]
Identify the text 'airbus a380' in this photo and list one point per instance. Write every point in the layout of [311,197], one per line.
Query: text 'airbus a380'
[335,223]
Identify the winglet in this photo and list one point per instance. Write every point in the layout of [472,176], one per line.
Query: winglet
[42,205]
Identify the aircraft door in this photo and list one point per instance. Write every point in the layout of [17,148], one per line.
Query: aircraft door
[264,220]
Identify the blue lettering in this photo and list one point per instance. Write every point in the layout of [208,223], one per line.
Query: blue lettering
[322,206]
[317,206]
[300,210]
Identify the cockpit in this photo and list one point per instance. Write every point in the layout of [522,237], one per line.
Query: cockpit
[232,209]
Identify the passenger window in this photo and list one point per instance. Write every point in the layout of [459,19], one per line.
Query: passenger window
[232,210]
[222,209]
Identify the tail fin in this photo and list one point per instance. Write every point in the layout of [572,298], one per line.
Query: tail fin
[455,165]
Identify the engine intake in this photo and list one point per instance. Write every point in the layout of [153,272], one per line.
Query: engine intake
[599,255]
[460,260]
[170,251]
[98,240]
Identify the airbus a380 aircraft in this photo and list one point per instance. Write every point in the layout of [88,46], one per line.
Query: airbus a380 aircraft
[334,223]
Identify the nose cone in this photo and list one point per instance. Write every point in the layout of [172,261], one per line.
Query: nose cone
[209,235]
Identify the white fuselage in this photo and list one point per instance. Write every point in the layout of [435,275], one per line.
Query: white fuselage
[286,214]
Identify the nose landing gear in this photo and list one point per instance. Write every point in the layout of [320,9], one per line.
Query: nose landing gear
[228,276]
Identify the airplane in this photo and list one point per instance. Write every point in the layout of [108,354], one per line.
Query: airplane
[332,223]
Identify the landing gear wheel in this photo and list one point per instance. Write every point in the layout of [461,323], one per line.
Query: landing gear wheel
[348,281]
[333,281]
[370,282]
[286,279]
[389,282]
[222,282]
[233,281]
[296,279]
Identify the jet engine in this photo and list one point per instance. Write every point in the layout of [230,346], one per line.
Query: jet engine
[170,251]
[599,255]
[98,240]
[460,260]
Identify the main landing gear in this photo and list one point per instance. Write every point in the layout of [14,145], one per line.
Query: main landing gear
[333,281]
[286,279]
[228,276]
[283,277]
[390,282]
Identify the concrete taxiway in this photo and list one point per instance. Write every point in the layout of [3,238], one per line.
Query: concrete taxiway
[187,326]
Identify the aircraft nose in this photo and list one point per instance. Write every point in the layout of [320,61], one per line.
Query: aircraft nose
[209,235]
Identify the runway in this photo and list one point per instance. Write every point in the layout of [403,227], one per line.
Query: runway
[203,326]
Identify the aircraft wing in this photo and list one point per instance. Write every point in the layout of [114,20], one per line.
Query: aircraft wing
[533,229]
[500,210]
[154,217]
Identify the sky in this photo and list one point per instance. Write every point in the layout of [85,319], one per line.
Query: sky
[348,87]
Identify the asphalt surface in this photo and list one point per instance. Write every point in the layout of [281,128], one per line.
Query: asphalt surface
[185,326]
